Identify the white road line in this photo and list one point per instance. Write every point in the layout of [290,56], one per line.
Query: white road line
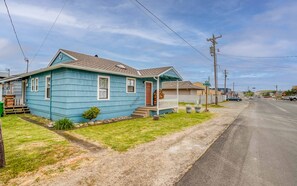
[279,107]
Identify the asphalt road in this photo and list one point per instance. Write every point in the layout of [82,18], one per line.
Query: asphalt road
[259,148]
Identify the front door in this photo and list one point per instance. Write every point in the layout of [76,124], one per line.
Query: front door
[148,93]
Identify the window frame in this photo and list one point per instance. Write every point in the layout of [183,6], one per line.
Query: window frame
[32,84]
[127,79]
[36,85]
[98,88]
[45,91]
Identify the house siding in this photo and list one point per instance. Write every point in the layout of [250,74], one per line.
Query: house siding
[75,91]
[36,100]
[59,60]
[81,91]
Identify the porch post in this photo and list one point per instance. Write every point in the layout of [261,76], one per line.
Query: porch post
[0,92]
[177,94]
[158,94]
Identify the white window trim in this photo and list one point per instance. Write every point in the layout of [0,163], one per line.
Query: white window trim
[45,89]
[32,84]
[108,93]
[36,85]
[127,78]
[152,100]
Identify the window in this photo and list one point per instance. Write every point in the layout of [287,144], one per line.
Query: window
[103,88]
[36,84]
[32,84]
[131,85]
[47,87]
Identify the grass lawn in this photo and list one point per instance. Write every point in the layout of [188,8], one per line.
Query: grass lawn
[29,147]
[213,106]
[127,134]
[185,104]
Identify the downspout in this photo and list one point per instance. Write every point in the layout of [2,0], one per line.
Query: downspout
[51,90]
[158,87]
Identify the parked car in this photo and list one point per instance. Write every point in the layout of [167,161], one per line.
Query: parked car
[234,99]
[293,98]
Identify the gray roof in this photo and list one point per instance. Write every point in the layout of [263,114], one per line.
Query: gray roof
[96,64]
[153,71]
[171,85]
[3,74]
[88,61]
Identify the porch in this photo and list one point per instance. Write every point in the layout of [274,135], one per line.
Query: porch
[12,93]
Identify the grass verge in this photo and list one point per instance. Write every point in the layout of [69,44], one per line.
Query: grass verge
[123,135]
[29,147]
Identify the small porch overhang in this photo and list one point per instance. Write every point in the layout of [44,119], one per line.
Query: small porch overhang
[163,104]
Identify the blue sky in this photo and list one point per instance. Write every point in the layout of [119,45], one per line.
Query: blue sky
[122,31]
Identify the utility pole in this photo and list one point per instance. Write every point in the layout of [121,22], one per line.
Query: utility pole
[233,90]
[2,155]
[225,74]
[275,92]
[27,61]
[213,53]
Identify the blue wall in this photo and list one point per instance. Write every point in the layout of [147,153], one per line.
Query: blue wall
[64,59]
[36,100]
[74,91]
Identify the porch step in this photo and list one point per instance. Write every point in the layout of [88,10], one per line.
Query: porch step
[141,112]
[21,109]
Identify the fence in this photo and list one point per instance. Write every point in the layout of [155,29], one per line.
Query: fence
[197,99]
[168,103]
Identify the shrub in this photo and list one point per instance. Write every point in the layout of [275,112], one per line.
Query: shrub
[63,124]
[92,113]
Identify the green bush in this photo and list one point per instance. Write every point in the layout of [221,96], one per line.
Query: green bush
[63,124]
[92,113]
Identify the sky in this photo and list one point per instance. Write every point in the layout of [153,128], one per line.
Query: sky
[123,31]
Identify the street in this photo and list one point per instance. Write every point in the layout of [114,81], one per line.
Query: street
[259,148]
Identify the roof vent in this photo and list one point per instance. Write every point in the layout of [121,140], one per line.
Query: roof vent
[121,66]
[96,55]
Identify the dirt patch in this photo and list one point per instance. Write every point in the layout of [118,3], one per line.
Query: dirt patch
[160,162]
[71,138]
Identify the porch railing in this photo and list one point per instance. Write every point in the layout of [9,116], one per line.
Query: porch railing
[168,103]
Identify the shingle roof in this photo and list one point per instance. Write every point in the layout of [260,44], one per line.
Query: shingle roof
[181,85]
[87,61]
[93,62]
[153,71]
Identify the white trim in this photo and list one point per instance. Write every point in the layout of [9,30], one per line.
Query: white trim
[57,54]
[36,85]
[1,93]
[45,91]
[135,81]
[32,84]
[172,68]
[152,93]
[108,93]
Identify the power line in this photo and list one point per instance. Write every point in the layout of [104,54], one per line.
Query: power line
[49,31]
[178,35]
[257,57]
[14,30]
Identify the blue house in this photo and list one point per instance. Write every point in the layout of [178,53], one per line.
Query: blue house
[74,82]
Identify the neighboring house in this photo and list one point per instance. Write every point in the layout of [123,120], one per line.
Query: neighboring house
[74,82]
[11,86]
[184,88]
[211,91]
